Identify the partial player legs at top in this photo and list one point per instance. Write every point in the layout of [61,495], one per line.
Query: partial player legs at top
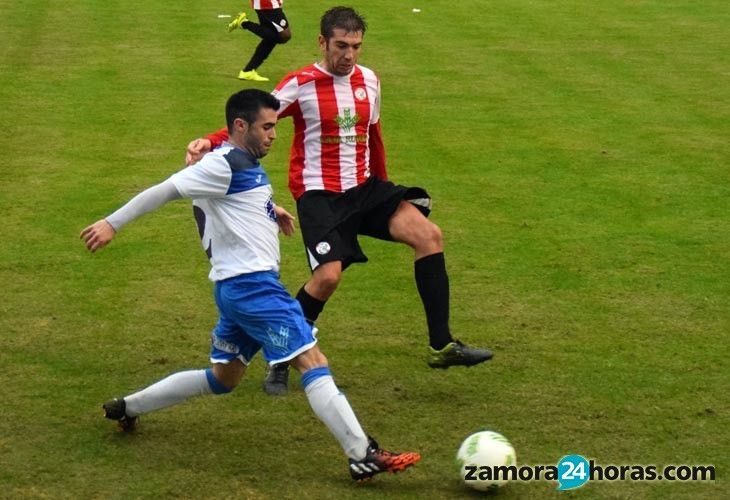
[273,29]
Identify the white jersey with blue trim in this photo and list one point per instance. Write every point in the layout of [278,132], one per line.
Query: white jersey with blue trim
[234,209]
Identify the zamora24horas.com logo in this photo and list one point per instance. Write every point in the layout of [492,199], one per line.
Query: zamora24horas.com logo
[574,471]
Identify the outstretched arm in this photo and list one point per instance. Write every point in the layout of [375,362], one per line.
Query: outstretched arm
[99,234]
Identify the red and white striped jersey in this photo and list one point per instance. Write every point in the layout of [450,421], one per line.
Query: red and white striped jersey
[266,4]
[332,119]
[337,140]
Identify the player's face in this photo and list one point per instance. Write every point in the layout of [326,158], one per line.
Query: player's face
[341,51]
[259,136]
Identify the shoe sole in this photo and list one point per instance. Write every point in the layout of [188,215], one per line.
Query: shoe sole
[403,463]
[409,460]
[125,423]
[252,79]
[128,425]
[275,390]
[468,365]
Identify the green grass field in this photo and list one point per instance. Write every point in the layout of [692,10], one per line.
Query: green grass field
[579,157]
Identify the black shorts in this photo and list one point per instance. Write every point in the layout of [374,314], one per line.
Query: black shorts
[331,222]
[274,17]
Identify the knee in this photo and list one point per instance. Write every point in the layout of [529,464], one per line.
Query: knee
[309,360]
[431,238]
[224,378]
[284,36]
[434,235]
[324,282]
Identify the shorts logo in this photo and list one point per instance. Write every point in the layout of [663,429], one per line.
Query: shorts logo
[360,94]
[280,340]
[223,345]
[323,248]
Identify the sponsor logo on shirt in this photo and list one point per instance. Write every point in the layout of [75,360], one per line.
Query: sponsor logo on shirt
[347,120]
[344,139]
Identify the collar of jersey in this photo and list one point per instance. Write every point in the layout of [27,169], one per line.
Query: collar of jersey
[249,160]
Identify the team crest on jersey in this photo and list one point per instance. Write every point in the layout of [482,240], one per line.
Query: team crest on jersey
[347,120]
[360,94]
[323,248]
[281,339]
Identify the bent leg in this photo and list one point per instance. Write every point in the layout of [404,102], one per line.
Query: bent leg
[324,281]
[408,225]
[284,36]
[271,35]
[314,294]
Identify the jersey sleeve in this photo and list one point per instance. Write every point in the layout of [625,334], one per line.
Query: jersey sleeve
[375,140]
[217,138]
[377,152]
[287,92]
[145,202]
[209,178]
[376,105]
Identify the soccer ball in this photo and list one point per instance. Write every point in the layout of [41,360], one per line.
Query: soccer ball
[482,450]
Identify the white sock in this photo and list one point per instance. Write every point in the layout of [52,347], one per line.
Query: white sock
[167,392]
[332,408]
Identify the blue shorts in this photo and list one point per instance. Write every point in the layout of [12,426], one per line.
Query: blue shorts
[257,312]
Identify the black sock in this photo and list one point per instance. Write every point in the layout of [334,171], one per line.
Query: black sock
[263,49]
[433,287]
[259,30]
[310,306]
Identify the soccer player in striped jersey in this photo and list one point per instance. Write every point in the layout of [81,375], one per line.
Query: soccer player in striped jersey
[272,28]
[338,177]
[238,224]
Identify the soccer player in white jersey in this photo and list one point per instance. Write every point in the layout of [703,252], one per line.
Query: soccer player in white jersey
[337,175]
[238,224]
[273,29]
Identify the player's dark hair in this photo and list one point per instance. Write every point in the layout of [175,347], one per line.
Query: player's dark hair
[345,18]
[247,104]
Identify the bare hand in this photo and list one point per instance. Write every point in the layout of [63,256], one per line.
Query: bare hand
[196,150]
[285,220]
[98,235]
